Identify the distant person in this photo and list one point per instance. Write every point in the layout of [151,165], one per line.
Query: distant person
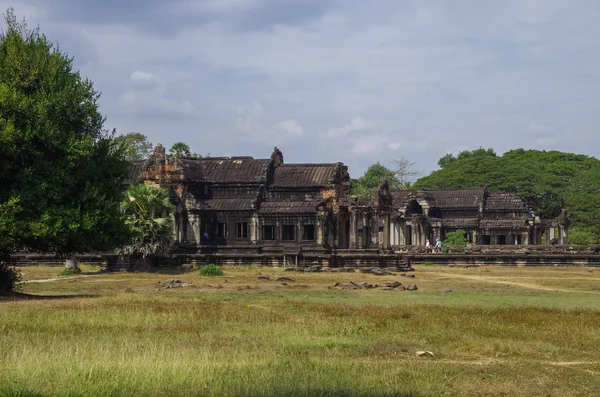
[438,245]
[205,236]
[427,244]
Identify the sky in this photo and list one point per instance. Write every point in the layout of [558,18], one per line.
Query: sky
[339,80]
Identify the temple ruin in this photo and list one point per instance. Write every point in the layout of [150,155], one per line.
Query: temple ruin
[244,206]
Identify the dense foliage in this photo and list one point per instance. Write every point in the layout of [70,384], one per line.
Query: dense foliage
[61,173]
[211,270]
[135,145]
[553,180]
[147,209]
[457,237]
[180,149]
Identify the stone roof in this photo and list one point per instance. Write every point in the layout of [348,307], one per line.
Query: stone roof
[504,201]
[304,175]
[135,172]
[398,197]
[460,223]
[503,223]
[458,198]
[227,205]
[289,207]
[225,169]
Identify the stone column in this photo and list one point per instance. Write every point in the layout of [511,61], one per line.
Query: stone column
[563,235]
[196,229]
[319,231]
[254,229]
[551,233]
[353,226]
[386,231]
[375,230]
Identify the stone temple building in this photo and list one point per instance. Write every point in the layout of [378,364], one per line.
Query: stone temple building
[242,205]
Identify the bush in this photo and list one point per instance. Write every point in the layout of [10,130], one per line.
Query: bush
[69,272]
[211,270]
[457,237]
[579,236]
[9,278]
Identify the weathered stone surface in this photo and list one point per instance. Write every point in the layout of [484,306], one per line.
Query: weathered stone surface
[445,290]
[286,278]
[412,287]
[263,277]
[173,283]
[187,266]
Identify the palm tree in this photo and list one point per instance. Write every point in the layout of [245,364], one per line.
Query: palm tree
[147,209]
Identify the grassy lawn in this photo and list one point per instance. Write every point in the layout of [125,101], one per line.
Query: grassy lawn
[501,331]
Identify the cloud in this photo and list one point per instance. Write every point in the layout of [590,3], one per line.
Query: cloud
[147,95]
[289,127]
[340,81]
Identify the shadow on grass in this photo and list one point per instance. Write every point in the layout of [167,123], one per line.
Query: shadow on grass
[278,393]
[19,296]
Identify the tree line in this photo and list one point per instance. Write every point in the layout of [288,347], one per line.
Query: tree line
[137,146]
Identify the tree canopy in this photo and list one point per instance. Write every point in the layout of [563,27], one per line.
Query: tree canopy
[553,180]
[398,178]
[135,144]
[61,173]
[180,149]
[147,209]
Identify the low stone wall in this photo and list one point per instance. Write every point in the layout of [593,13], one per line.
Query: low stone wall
[564,255]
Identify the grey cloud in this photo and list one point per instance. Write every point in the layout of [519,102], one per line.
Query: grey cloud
[158,17]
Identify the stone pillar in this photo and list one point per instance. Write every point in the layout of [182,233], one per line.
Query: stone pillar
[525,238]
[563,235]
[386,231]
[175,220]
[196,229]
[254,229]
[375,230]
[353,226]
[551,233]
[319,231]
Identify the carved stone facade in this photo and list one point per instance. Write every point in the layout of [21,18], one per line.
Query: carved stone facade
[247,205]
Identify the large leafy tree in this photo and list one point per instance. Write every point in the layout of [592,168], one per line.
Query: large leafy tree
[180,149]
[147,209]
[398,178]
[136,145]
[61,172]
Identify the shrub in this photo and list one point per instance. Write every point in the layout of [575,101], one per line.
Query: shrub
[211,270]
[9,278]
[69,272]
[457,237]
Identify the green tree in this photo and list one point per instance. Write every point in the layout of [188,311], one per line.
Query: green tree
[180,149]
[135,144]
[147,209]
[457,237]
[578,236]
[61,173]
[371,179]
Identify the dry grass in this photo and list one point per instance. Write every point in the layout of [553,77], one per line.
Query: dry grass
[501,331]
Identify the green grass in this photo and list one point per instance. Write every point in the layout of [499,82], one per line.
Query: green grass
[501,331]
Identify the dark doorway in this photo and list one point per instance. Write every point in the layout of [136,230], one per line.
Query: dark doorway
[408,235]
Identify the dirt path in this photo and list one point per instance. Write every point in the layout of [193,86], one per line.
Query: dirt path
[48,280]
[489,279]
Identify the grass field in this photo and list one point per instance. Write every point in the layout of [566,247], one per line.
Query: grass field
[500,332]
